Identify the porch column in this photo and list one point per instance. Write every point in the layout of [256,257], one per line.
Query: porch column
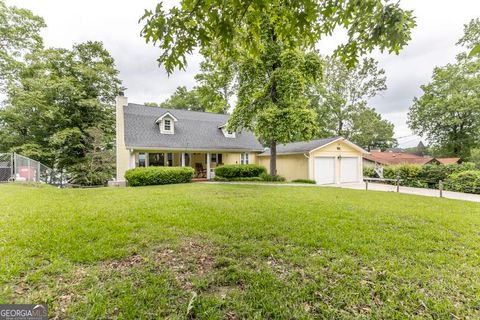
[208,166]
[165,159]
[183,159]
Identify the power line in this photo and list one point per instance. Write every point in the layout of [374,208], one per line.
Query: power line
[411,135]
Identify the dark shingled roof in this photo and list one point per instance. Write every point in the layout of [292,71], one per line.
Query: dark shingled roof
[300,147]
[193,131]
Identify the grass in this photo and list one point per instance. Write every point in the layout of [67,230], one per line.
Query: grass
[239,251]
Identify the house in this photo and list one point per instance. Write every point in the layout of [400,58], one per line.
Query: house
[152,136]
[448,160]
[393,158]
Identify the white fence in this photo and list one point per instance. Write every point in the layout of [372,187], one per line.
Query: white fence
[15,167]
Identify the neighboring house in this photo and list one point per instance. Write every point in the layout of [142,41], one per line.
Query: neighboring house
[392,158]
[448,160]
[152,136]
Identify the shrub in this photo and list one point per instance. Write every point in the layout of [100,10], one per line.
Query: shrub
[304,181]
[369,172]
[237,179]
[408,173]
[276,178]
[247,179]
[465,181]
[239,170]
[158,175]
[432,173]
[475,157]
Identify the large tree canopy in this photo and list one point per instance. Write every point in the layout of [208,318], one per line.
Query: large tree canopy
[216,87]
[225,27]
[59,98]
[260,37]
[341,103]
[272,95]
[370,131]
[19,35]
[448,112]
[344,90]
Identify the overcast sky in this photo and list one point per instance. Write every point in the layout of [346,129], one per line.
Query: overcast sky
[115,23]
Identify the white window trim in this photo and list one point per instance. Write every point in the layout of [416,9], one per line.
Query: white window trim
[244,158]
[162,126]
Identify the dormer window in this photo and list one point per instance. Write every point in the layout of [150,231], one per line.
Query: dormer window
[166,123]
[227,133]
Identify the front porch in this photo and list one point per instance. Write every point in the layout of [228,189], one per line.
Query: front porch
[203,163]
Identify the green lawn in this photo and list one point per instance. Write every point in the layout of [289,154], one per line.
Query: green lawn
[239,251]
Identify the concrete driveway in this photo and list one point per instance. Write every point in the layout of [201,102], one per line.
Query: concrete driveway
[410,190]
[375,187]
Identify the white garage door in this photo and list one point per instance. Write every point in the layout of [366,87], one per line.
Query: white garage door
[349,169]
[325,170]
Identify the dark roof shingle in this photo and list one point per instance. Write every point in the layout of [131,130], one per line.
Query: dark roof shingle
[193,131]
[300,147]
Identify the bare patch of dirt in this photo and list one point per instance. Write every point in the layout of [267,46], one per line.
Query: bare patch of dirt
[124,265]
[193,258]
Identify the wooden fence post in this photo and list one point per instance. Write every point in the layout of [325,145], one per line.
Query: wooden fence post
[440,187]
[366,184]
[398,183]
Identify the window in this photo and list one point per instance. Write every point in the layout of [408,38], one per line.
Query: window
[219,159]
[141,159]
[228,134]
[167,125]
[213,157]
[244,158]
[156,159]
[170,159]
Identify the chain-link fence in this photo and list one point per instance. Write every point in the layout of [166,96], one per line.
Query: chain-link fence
[15,167]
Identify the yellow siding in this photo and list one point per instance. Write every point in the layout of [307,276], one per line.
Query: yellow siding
[234,158]
[293,166]
[123,157]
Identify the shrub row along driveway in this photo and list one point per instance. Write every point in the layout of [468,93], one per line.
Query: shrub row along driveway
[415,191]
[377,187]
[222,251]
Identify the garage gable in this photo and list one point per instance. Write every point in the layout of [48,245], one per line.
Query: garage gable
[341,146]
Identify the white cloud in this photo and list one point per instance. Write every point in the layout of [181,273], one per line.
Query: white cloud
[115,23]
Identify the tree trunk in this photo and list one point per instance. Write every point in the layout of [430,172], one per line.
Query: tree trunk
[273,158]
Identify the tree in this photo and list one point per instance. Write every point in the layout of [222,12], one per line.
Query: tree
[99,163]
[151,104]
[247,32]
[183,98]
[370,131]
[19,35]
[343,95]
[216,87]
[232,29]
[448,112]
[272,99]
[217,84]
[475,157]
[58,98]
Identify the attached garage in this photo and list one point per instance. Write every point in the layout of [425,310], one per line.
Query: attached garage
[327,161]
